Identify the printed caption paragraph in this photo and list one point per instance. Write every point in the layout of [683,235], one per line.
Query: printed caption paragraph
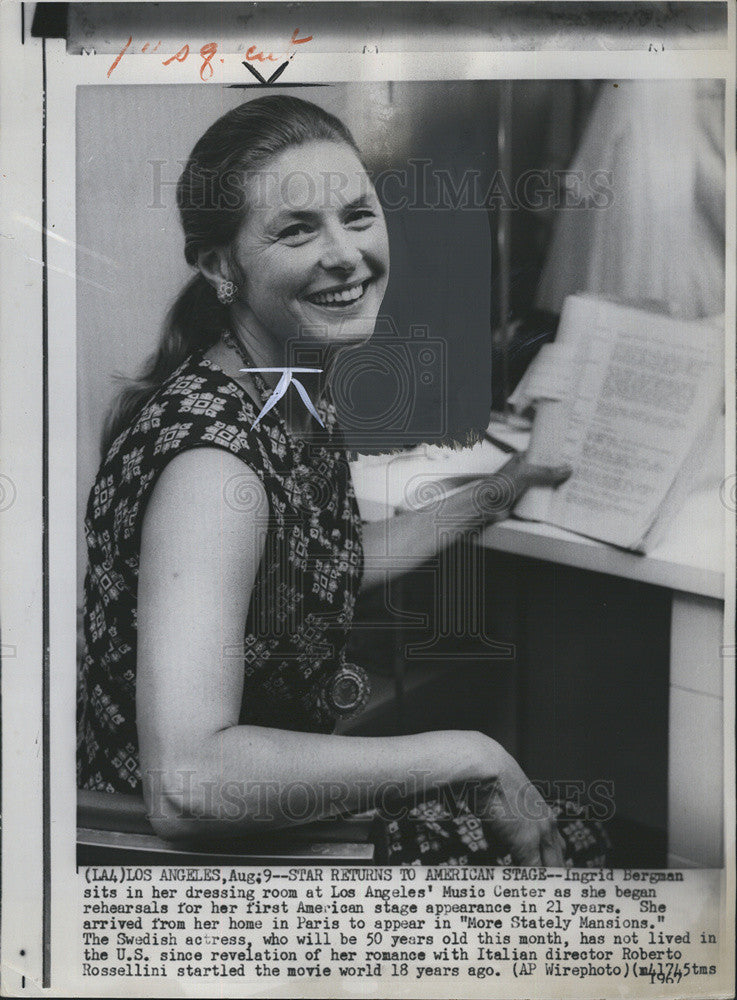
[431,924]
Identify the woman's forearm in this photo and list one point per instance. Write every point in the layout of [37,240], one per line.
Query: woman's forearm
[245,778]
[402,543]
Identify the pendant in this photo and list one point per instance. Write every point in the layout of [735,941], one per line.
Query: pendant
[347,691]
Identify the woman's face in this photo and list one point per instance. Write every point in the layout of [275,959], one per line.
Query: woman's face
[313,248]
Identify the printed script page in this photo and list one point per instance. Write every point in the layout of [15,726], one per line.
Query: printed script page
[643,390]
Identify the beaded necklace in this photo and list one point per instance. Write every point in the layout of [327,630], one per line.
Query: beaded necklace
[234,344]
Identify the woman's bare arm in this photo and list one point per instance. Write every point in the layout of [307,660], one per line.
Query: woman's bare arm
[402,543]
[205,774]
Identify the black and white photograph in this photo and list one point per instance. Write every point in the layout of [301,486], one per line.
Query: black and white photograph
[376,620]
[389,495]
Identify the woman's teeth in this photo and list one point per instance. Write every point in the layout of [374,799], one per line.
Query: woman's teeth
[344,297]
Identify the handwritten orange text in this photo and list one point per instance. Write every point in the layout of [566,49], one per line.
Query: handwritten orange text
[208,52]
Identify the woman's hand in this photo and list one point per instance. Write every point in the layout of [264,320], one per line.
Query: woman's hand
[516,811]
[523,820]
[496,495]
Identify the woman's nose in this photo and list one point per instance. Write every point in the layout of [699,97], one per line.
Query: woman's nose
[340,251]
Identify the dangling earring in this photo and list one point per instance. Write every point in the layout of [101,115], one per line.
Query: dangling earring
[227,291]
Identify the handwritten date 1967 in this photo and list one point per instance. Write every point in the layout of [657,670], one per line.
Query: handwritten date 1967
[208,51]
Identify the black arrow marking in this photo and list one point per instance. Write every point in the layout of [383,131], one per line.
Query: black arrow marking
[274,76]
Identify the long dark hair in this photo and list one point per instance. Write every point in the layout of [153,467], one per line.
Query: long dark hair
[211,196]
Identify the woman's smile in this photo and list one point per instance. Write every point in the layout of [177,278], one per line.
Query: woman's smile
[340,296]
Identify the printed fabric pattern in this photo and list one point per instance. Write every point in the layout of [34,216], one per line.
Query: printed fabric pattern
[449,833]
[303,600]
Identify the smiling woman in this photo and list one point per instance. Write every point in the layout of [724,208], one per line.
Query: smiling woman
[226,551]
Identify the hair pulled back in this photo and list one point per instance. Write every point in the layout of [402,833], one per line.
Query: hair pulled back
[212,202]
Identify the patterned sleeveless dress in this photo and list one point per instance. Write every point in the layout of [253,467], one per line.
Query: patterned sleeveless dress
[295,674]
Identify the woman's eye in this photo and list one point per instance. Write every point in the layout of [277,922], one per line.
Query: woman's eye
[360,218]
[296,233]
